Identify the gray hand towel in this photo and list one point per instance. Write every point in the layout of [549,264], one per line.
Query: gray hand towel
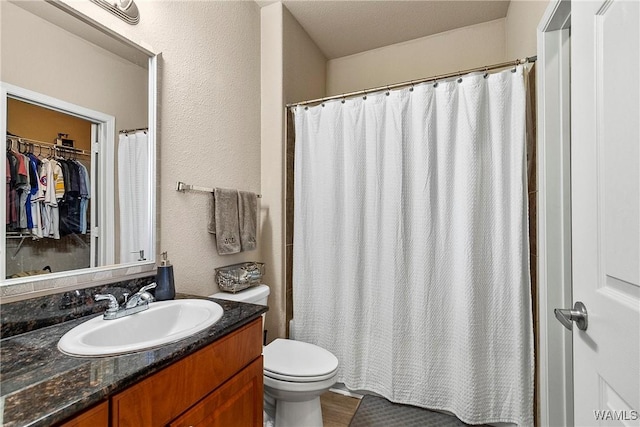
[211,226]
[223,220]
[248,219]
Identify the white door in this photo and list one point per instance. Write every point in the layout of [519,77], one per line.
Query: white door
[605,159]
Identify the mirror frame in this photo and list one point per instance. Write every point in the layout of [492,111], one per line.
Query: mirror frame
[33,286]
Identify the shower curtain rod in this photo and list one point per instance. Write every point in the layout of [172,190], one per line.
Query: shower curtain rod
[526,60]
[133,130]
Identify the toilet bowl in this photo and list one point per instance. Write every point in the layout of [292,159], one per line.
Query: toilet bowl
[295,373]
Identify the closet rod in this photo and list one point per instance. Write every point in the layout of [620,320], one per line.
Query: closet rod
[181,186]
[418,81]
[48,145]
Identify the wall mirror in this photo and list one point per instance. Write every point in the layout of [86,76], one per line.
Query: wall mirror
[78,111]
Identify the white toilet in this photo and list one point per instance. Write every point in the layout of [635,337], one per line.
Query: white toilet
[295,373]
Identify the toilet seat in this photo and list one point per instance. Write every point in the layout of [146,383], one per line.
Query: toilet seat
[295,379]
[297,361]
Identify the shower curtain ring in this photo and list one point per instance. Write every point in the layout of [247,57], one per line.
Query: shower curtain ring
[387,91]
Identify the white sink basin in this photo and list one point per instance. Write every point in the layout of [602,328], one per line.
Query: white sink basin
[162,323]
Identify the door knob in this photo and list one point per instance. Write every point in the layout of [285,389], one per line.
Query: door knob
[568,316]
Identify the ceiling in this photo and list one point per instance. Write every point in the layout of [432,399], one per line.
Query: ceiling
[342,28]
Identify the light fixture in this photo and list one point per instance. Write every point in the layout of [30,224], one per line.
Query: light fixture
[123,9]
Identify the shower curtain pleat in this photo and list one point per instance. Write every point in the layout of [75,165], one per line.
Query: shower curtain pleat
[133,196]
[410,245]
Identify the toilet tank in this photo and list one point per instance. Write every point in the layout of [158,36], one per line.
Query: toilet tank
[255,295]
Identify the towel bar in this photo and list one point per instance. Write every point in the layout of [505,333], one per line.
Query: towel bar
[182,187]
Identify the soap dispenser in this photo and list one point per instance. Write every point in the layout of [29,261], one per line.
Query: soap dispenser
[165,289]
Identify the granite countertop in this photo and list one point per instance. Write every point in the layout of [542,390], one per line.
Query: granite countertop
[40,386]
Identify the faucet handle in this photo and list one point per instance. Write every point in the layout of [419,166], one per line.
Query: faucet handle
[113,302]
[147,287]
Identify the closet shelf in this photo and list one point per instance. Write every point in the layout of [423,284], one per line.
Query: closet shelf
[48,145]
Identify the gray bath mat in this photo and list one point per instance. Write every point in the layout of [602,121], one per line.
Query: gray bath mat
[376,411]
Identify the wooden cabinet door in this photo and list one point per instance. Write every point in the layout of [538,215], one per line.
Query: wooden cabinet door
[98,416]
[237,403]
[157,400]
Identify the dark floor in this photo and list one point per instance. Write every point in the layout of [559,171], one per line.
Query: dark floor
[372,411]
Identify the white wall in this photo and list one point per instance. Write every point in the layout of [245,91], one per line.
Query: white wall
[293,68]
[459,49]
[520,27]
[464,48]
[40,56]
[273,155]
[304,63]
[208,119]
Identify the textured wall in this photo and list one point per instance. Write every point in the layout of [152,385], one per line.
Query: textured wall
[208,119]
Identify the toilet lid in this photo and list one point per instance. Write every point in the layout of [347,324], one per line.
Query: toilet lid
[299,361]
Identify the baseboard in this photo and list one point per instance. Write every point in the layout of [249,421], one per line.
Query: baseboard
[340,388]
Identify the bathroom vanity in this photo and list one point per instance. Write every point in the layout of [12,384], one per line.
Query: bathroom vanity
[213,378]
[220,384]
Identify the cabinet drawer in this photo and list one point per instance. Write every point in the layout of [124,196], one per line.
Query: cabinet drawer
[98,416]
[236,403]
[160,398]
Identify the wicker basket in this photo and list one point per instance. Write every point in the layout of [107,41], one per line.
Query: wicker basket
[236,277]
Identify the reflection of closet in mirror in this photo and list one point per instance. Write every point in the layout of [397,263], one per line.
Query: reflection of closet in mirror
[55,57]
[48,192]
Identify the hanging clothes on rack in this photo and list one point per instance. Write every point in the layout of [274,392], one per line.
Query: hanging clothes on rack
[47,197]
[49,202]
[19,186]
[74,204]
[37,197]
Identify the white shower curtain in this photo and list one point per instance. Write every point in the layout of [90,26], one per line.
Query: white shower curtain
[133,192]
[411,248]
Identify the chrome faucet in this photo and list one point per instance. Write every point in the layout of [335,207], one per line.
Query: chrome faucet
[142,297]
[138,302]
[113,308]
